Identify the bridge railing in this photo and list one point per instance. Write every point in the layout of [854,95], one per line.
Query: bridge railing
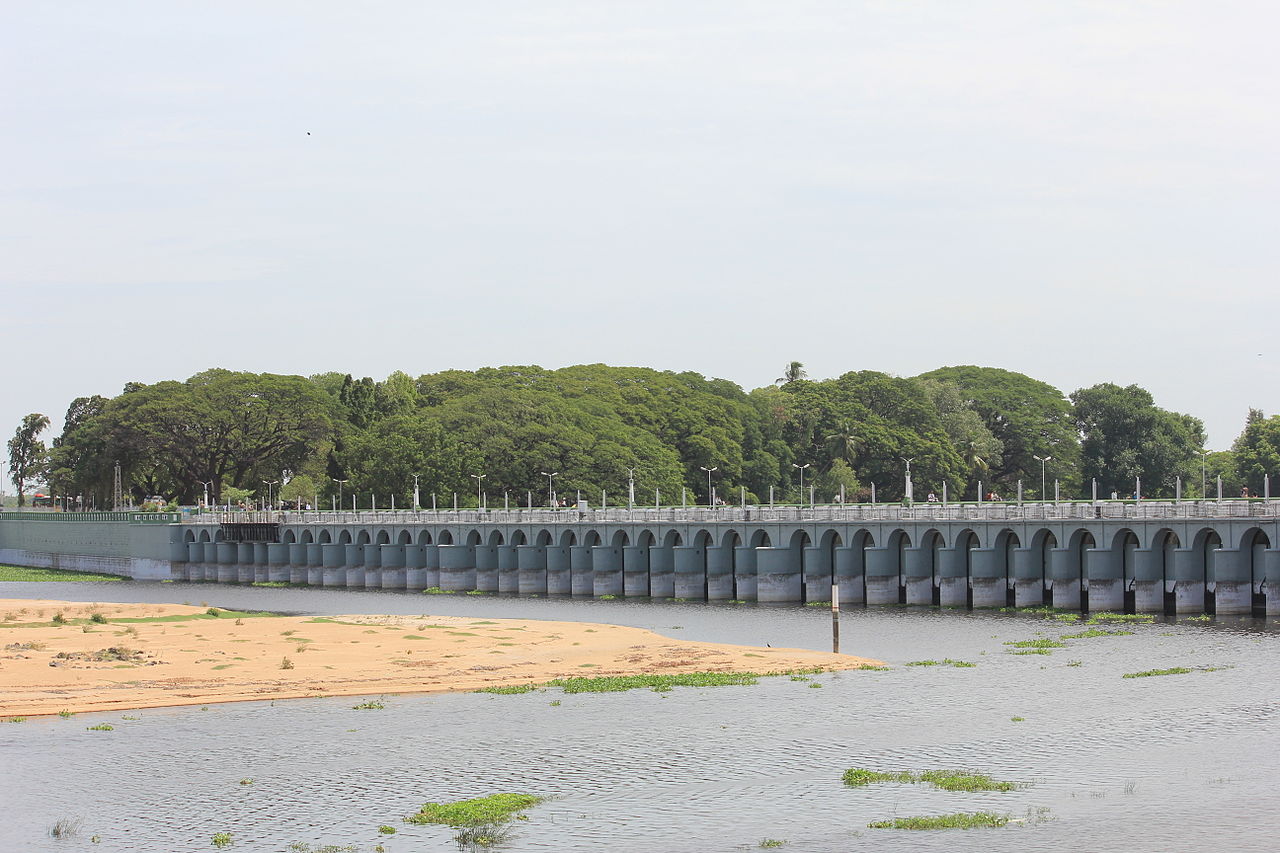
[850,513]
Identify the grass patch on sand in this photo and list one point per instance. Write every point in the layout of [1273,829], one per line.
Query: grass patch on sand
[25,574]
[958,820]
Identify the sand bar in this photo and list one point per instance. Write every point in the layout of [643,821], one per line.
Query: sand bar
[179,655]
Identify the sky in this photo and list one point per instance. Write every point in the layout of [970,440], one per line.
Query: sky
[1083,192]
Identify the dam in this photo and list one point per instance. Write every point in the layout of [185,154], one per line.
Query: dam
[1143,556]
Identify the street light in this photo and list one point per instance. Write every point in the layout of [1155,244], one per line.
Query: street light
[417,504]
[1043,460]
[340,483]
[1203,483]
[208,484]
[631,487]
[269,484]
[711,501]
[550,476]
[801,467]
[478,478]
[908,492]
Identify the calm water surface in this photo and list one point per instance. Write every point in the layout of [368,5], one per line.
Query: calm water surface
[1184,762]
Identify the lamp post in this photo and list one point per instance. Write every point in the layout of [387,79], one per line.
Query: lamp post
[631,487]
[269,484]
[340,483]
[478,478]
[1203,482]
[416,503]
[711,499]
[550,475]
[1042,460]
[208,484]
[801,467]
[907,490]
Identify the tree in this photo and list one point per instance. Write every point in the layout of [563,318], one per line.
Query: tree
[27,453]
[1255,454]
[794,372]
[1126,436]
[1028,418]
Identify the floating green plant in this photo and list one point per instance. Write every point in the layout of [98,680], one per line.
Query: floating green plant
[947,780]
[959,820]
[22,574]
[508,690]
[370,705]
[1107,616]
[1173,670]
[101,727]
[1039,643]
[1096,632]
[480,811]
[944,662]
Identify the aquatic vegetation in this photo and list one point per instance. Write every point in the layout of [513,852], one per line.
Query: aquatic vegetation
[856,777]
[508,689]
[370,705]
[1107,616]
[963,780]
[619,683]
[435,590]
[23,574]
[1032,652]
[481,822]
[1173,670]
[1039,643]
[478,592]
[15,719]
[815,684]
[101,727]
[387,830]
[494,808]
[768,843]
[221,839]
[944,662]
[65,714]
[1096,632]
[947,780]
[607,597]
[1017,719]
[65,827]
[959,820]
[1202,617]
[246,781]
[270,584]
[303,847]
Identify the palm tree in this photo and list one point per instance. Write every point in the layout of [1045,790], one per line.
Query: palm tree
[843,444]
[795,370]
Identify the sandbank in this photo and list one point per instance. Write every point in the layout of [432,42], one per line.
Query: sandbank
[174,654]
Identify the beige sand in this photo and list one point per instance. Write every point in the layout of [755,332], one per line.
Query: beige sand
[118,666]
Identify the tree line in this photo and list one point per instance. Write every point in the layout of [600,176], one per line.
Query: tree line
[596,428]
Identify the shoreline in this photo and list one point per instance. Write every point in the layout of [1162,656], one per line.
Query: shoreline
[165,655]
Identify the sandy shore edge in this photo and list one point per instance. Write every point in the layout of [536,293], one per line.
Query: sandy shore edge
[132,656]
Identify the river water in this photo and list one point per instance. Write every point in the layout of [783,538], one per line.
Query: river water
[1179,762]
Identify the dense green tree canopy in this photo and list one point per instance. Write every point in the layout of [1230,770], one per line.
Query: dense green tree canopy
[595,427]
[1126,436]
[1028,418]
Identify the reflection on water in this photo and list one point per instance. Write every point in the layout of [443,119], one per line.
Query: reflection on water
[1182,762]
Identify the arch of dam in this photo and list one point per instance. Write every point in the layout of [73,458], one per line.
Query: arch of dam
[1149,556]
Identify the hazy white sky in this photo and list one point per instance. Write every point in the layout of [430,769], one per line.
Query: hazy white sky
[1080,191]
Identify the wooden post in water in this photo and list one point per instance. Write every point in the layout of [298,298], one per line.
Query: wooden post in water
[835,617]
